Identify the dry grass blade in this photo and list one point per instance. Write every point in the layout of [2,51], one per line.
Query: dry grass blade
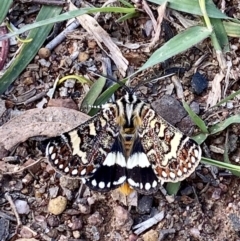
[215,94]
[103,39]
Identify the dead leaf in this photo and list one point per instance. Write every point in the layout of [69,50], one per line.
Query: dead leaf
[48,122]
[215,94]
[67,103]
[161,13]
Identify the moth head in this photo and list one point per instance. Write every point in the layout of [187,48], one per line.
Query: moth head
[130,98]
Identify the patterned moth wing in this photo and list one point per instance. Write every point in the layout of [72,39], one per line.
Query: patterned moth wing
[173,155]
[92,151]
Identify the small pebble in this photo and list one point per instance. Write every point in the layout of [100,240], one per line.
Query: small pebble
[53,221]
[199,83]
[170,109]
[44,53]
[95,219]
[151,235]
[216,193]
[235,221]
[27,179]
[121,215]
[26,239]
[57,205]
[68,183]
[84,209]
[76,234]
[92,44]
[83,56]
[44,63]
[26,232]
[69,83]
[145,204]
[187,191]
[22,206]
[195,233]
[76,224]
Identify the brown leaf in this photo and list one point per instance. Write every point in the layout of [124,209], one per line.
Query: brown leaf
[48,122]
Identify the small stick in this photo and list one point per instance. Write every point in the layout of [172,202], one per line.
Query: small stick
[45,2]
[9,199]
[141,227]
[5,47]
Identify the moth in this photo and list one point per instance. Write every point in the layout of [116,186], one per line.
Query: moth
[127,142]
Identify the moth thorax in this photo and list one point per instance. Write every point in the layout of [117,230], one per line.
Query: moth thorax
[137,121]
[121,120]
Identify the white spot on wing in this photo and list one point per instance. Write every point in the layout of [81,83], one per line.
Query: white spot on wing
[164,174]
[154,184]
[50,150]
[94,183]
[147,186]
[66,170]
[172,175]
[83,172]
[179,173]
[60,166]
[120,180]
[53,156]
[132,183]
[75,172]
[101,185]
[196,152]
[56,161]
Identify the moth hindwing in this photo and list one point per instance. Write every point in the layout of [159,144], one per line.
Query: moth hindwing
[126,142]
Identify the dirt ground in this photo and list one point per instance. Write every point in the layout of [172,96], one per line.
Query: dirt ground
[207,205]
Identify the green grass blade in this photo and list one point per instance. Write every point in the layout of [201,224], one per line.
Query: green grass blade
[66,16]
[200,138]
[127,16]
[126,3]
[93,93]
[227,98]
[105,96]
[221,34]
[5,6]
[224,124]
[172,188]
[176,45]
[192,7]
[232,29]
[195,118]
[219,164]
[29,50]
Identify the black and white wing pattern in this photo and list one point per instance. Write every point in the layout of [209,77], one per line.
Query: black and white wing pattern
[91,152]
[173,156]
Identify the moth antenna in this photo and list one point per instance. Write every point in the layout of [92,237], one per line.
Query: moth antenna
[121,83]
[150,80]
